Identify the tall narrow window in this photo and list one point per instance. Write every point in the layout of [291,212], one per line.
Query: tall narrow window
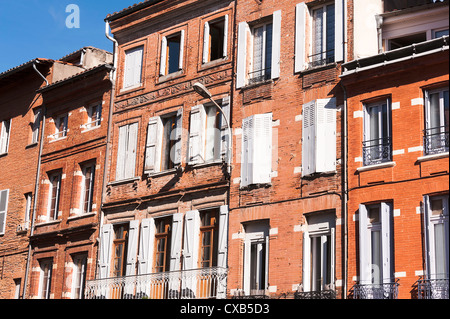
[126,155]
[4,194]
[61,126]
[213,134]
[45,279]
[94,116]
[87,187]
[262,53]
[168,142]
[162,244]
[79,276]
[120,250]
[172,50]
[437,121]
[208,238]
[36,126]
[215,39]
[5,128]
[133,68]
[323,35]
[377,145]
[54,196]
[27,217]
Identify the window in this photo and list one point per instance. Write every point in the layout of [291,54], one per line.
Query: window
[5,130]
[436,236]
[28,204]
[162,244]
[323,35]
[163,150]
[406,40]
[437,121]
[94,116]
[36,126]
[440,33]
[208,132]
[133,68]
[87,187]
[377,145]
[319,136]
[120,250]
[126,155]
[61,126]
[208,238]
[4,194]
[256,165]
[79,276]
[259,51]
[215,39]
[376,247]
[45,279]
[17,284]
[54,196]
[172,51]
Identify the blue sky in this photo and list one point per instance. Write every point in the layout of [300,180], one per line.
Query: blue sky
[37,28]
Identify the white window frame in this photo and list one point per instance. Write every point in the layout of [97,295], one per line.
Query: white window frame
[5,133]
[63,133]
[45,287]
[94,113]
[207,39]
[133,69]
[3,210]
[323,54]
[58,196]
[79,275]
[441,129]
[91,188]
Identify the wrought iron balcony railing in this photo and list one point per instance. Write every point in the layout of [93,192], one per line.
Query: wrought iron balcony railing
[375,291]
[259,76]
[432,288]
[377,151]
[435,140]
[205,283]
[323,294]
[254,294]
[321,59]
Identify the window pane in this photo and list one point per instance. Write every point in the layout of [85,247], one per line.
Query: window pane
[446,109]
[216,31]
[330,33]
[440,33]
[315,264]
[258,53]
[376,257]
[435,117]
[440,254]
[317,34]
[374,123]
[268,59]
[173,50]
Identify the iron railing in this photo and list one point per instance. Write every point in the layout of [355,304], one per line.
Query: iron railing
[321,59]
[254,294]
[435,140]
[375,291]
[377,151]
[205,283]
[432,288]
[322,294]
[259,76]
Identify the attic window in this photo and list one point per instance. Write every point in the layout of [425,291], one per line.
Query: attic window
[406,40]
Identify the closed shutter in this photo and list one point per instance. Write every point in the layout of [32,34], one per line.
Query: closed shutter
[325,135]
[247,151]
[206,42]
[121,153]
[175,245]
[196,135]
[152,146]
[129,69]
[309,138]
[300,37]
[137,74]
[276,45]
[146,246]
[386,229]
[191,240]
[178,138]
[105,250]
[306,262]
[339,30]
[262,148]
[133,67]
[365,268]
[163,62]
[133,234]
[4,194]
[226,107]
[130,165]
[242,55]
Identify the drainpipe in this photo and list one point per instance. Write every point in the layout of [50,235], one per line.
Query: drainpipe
[36,187]
[379,20]
[344,197]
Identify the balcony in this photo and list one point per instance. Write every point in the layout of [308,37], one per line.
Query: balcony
[259,76]
[205,283]
[377,151]
[435,140]
[321,59]
[375,291]
[432,288]
[322,294]
[254,294]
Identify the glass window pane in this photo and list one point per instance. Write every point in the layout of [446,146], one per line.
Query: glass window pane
[434,116]
[258,53]
[317,34]
[330,33]
[440,254]
[376,257]
[173,48]
[268,59]
[446,109]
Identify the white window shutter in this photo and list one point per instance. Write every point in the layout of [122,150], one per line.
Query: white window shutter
[309,138]
[181,58]
[191,240]
[225,37]
[162,66]
[133,234]
[247,151]
[129,69]
[196,135]
[121,153]
[206,43]
[262,148]
[247,265]
[222,250]
[4,194]
[146,246]
[428,230]
[365,267]
[325,135]
[226,108]
[130,165]
[137,74]
[339,30]
[178,138]
[306,262]
[176,240]
[386,229]
[151,147]
[241,55]
[105,248]
[276,45]
[333,255]
[300,37]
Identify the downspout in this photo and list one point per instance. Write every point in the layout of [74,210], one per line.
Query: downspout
[344,197]
[36,187]
[379,20]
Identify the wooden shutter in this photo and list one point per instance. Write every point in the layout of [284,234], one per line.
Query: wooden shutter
[365,268]
[428,229]
[222,250]
[247,151]
[191,240]
[247,265]
[300,37]
[309,138]
[146,246]
[386,230]
[306,261]
[181,58]
[226,108]
[129,69]
[178,138]
[4,194]
[133,234]
[206,42]
[325,135]
[241,55]
[151,151]
[175,245]
[262,149]
[196,135]
[137,74]
[121,152]
[130,165]
[163,62]
[339,30]
[105,248]
[225,36]
[276,45]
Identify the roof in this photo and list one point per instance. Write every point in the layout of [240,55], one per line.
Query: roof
[23,67]
[131,9]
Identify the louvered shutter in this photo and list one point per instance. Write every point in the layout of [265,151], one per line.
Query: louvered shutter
[176,240]
[196,135]
[241,55]
[105,248]
[4,194]
[146,246]
[276,45]
[262,148]
[306,261]
[177,136]
[339,30]
[224,149]
[325,135]
[191,240]
[163,63]
[309,138]
[365,267]
[386,230]
[247,151]
[151,147]
[300,37]
[121,153]
[130,165]
[133,234]
[206,42]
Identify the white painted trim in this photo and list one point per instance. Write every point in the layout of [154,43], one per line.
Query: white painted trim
[376,166]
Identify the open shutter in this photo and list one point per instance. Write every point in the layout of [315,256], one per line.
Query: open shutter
[175,245]
[266,261]
[129,69]
[206,43]
[178,137]
[247,152]
[386,229]
[225,37]
[181,57]
[137,74]
[151,147]
[4,194]
[222,250]
[276,45]
[196,135]
[105,250]
[132,247]
[427,232]
[333,257]
[162,66]
[226,107]
[247,265]
[364,247]
[339,30]
[326,135]
[191,240]
[121,153]
[146,246]
[241,55]
[262,148]
[309,138]
[306,261]
[130,165]
[300,36]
